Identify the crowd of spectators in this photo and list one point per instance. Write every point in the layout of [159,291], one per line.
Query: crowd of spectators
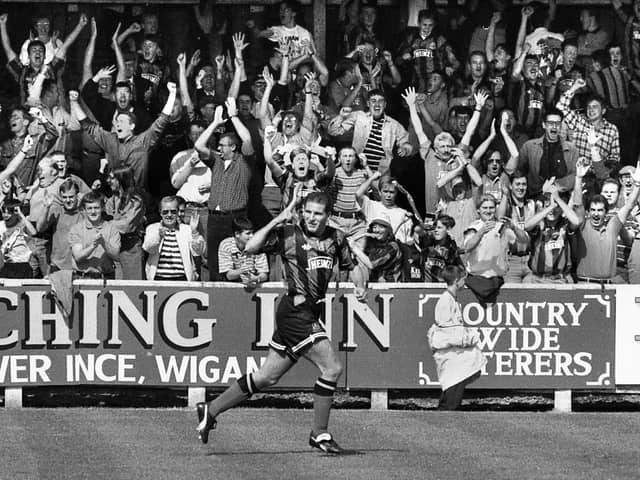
[456,142]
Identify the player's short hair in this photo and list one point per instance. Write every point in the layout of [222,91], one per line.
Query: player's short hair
[452,273]
[321,198]
[241,224]
[446,220]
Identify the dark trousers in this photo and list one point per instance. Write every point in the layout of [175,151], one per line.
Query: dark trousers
[218,228]
[451,398]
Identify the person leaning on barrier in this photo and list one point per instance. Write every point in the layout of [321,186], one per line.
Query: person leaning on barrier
[236,264]
[95,243]
[171,245]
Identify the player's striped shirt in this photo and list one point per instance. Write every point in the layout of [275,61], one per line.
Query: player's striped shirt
[373,149]
[231,258]
[309,260]
[170,262]
[344,188]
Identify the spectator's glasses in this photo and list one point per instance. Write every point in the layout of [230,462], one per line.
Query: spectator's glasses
[172,211]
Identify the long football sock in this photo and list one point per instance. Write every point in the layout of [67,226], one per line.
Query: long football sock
[322,400]
[232,396]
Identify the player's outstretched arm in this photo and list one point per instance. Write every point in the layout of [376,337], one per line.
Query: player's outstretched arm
[257,241]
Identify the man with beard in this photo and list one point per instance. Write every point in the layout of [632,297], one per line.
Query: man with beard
[309,250]
[597,239]
[547,156]
[375,134]
[105,110]
[26,74]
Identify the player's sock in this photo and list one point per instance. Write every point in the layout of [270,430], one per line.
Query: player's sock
[236,393]
[322,400]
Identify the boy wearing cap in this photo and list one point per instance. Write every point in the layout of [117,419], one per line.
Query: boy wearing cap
[383,252]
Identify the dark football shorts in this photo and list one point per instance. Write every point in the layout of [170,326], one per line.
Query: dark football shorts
[297,327]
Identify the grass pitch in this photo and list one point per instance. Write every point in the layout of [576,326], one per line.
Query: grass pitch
[270,444]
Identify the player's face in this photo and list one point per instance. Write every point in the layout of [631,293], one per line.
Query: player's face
[610,192]
[69,199]
[487,211]
[315,217]
[596,214]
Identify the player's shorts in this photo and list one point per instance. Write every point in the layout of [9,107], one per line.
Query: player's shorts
[297,327]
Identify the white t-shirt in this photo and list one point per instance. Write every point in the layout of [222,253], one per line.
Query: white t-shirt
[399,218]
[295,36]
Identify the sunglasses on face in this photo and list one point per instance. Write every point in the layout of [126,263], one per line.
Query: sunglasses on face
[172,211]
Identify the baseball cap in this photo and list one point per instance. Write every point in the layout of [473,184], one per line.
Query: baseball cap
[382,220]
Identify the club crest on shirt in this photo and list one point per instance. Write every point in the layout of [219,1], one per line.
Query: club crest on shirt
[320,262]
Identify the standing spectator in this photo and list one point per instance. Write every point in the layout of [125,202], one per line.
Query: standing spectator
[43,33]
[171,245]
[608,142]
[345,91]
[547,156]
[126,208]
[552,231]
[95,242]
[60,216]
[439,249]
[383,255]
[526,93]
[375,134]
[123,147]
[230,182]
[593,37]
[597,240]
[631,36]
[26,74]
[487,245]
[235,263]
[290,32]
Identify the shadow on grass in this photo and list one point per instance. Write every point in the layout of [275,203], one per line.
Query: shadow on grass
[346,453]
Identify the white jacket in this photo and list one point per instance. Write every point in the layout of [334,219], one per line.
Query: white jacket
[190,245]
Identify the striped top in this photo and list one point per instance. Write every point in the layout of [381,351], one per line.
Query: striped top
[230,185]
[527,101]
[373,148]
[231,258]
[170,262]
[612,84]
[343,189]
[551,252]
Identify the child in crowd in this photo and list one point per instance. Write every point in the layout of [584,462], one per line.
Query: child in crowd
[458,358]
[236,264]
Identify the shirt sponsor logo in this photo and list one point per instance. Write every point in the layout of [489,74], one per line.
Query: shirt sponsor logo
[318,263]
